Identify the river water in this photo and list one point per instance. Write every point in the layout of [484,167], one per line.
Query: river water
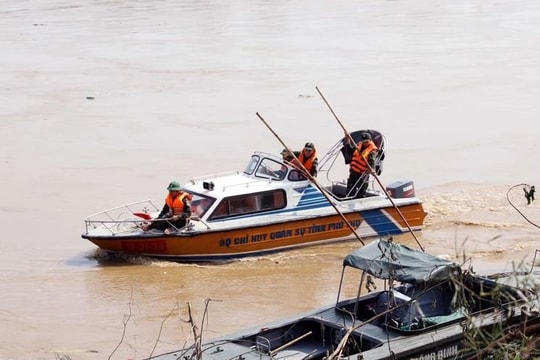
[105,102]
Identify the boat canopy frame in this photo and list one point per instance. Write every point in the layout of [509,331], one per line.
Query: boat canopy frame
[390,261]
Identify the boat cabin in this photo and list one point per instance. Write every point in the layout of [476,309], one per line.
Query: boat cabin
[262,187]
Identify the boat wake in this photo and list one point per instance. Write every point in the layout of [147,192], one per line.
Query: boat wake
[475,220]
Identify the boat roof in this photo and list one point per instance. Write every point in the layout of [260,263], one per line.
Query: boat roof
[263,172]
[386,259]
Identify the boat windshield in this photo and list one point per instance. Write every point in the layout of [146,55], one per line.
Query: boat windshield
[252,165]
[273,169]
[266,167]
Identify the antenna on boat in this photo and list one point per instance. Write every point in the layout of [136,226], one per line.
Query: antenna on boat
[348,135]
[313,181]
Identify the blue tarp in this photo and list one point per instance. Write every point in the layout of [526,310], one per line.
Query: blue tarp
[385,259]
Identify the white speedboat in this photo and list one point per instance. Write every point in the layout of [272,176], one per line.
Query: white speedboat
[269,206]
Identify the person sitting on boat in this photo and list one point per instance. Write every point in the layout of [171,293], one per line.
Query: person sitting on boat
[308,158]
[363,159]
[175,212]
[289,156]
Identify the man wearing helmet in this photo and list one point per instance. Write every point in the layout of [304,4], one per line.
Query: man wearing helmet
[175,212]
[306,158]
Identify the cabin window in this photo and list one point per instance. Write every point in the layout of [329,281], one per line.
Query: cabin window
[295,175]
[249,204]
[279,199]
[250,168]
[242,205]
[221,211]
[267,201]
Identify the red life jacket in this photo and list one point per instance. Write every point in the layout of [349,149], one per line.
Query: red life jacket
[359,161]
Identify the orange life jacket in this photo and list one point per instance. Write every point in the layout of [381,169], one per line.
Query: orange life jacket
[307,162]
[176,204]
[291,161]
[359,162]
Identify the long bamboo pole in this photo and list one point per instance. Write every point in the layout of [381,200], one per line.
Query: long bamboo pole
[313,181]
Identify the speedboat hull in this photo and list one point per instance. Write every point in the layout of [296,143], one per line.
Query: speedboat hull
[258,239]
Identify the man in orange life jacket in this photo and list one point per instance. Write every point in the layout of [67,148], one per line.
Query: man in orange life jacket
[175,212]
[364,156]
[307,157]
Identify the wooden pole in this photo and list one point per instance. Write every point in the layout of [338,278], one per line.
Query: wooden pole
[313,181]
[348,135]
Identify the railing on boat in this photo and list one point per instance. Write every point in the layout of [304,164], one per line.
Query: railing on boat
[114,219]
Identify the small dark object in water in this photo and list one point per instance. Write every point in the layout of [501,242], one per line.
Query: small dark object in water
[529,195]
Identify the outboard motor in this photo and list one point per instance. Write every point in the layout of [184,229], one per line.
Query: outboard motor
[401,189]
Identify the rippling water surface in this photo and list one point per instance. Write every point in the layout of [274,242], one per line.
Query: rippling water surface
[104,102]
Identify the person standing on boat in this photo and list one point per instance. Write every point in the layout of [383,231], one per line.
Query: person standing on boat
[175,212]
[363,158]
[308,158]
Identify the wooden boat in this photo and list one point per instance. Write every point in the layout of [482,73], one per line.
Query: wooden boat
[270,206]
[421,313]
